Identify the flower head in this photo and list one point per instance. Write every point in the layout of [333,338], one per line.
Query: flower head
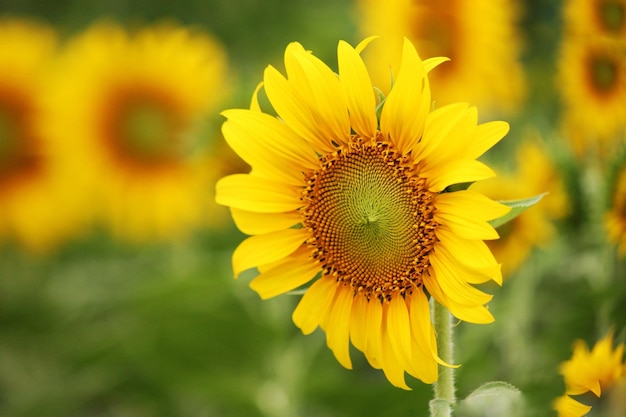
[37,203]
[592,371]
[592,83]
[134,102]
[357,206]
[479,36]
[606,18]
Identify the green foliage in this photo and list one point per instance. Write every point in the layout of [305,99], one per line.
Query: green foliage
[492,399]
[517,208]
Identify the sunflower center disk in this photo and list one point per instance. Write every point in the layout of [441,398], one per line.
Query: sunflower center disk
[612,15]
[371,219]
[144,128]
[603,73]
[149,132]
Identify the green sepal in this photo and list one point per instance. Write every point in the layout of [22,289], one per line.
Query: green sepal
[381,103]
[517,208]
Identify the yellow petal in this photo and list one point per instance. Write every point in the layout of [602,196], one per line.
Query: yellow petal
[399,329]
[251,193]
[456,172]
[596,388]
[338,326]
[566,406]
[357,87]
[254,102]
[392,367]
[458,135]
[363,44]
[472,204]
[374,318]
[432,63]
[467,229]
[466,214]
[421,326]
[358,323]
[439,123]
[477,314]
[327,102]
[252,223]
[288,104]
[486,136]
[314,304]
[266,248]
[458,139]
[294,272]
[268,145]
[407,105]
[424,369]
[475,254]
[452,285]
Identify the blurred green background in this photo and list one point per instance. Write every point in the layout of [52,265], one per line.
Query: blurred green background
[105,328]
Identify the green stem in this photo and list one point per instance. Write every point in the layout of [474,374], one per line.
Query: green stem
[441,404]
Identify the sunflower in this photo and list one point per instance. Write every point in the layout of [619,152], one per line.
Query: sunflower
[535,175]
[588,372]
[357,206]
[592,83]
[596,18]
[132,105]
[480,38]
[615,218]
[37,207]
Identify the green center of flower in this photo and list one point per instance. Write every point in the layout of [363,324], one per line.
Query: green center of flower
[603,73]
[149,132]
[370,218]
[612,15]
[143,128]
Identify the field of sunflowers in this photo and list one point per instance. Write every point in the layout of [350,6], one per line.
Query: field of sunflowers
[245,208]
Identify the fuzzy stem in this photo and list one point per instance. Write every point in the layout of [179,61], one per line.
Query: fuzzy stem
[444,399]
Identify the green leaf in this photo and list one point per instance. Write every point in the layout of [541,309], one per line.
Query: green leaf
[517,208]
[495,398]
[297,292]
[381,103]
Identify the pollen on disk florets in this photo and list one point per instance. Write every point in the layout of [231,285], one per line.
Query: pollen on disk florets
[370,218]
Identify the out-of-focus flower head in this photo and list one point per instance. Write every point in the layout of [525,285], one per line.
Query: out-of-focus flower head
[596,371]
[37,203]
[593,18]
[131,106]
[592,84]
[479,36]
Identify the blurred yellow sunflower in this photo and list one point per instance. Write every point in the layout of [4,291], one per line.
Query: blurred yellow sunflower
[592,84]
[479,36]
[595,18]
[358,203]
[131,106]
[36,196]
[615,218]
[535,174]
[588,372]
